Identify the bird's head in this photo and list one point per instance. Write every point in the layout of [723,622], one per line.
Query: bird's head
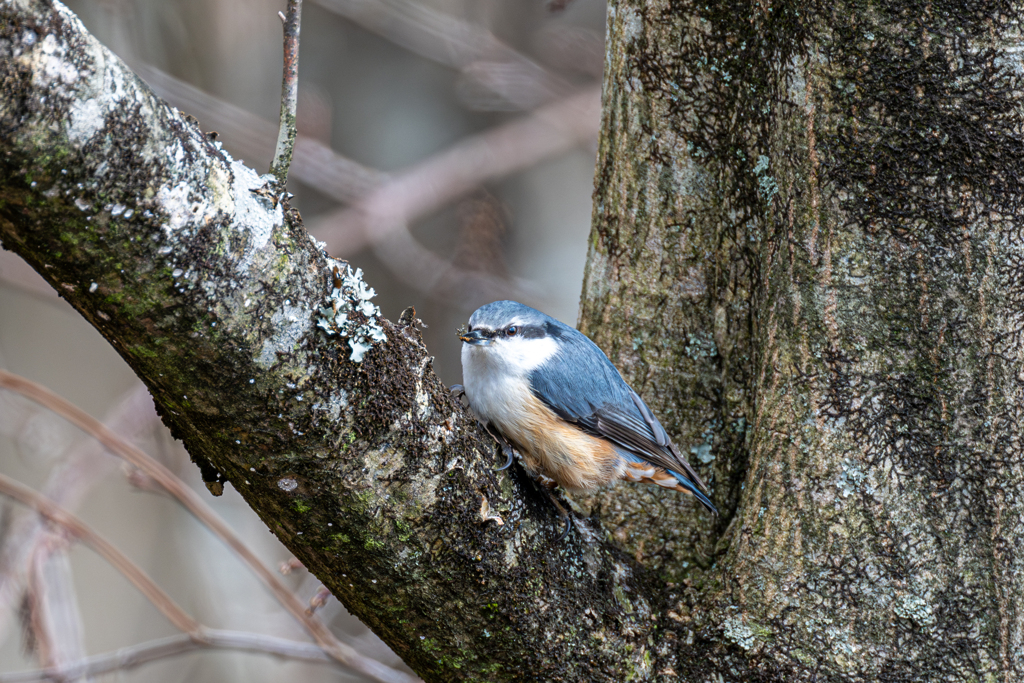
[512,336]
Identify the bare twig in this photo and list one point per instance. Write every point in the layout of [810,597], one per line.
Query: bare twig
[289,95]
[319,599]
[143,653]
[106,550]
[290,565]
[196,636]
[195,505]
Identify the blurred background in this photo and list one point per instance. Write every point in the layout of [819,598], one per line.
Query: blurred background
[447,148]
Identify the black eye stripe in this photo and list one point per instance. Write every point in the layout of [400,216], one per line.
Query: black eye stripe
[523,330]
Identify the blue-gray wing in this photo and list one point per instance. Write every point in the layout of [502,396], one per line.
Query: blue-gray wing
[584,388]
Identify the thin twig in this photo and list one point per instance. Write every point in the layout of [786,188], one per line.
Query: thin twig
[289,96]
[323,594]
[55,617]
[195,505]
[106,550]
[195,636]
[153,650]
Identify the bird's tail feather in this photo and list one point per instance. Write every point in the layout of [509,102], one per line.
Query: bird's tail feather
[690,487]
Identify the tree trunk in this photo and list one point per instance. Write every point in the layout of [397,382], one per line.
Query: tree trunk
[804,256]
[807,253]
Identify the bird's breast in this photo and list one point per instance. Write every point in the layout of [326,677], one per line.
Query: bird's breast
[550,445]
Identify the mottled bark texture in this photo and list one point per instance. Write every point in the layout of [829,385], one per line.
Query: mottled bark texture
[807,255]
[367,469]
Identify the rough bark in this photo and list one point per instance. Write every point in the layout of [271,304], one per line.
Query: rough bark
[347,445]
[807,250]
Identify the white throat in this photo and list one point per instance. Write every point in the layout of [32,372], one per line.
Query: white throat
[496,375]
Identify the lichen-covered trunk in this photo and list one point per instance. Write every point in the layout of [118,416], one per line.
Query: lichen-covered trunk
[808,254]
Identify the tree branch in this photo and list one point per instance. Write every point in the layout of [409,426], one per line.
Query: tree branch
[432,183]
[461,45]
[347,445]
[82,467]
[81,531]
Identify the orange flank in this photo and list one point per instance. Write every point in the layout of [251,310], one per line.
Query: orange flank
[553,447]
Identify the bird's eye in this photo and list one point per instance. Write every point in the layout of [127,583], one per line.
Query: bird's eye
[511,331]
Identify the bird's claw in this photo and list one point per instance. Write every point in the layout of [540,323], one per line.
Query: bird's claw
[566,515]
[506,447]
[458,391]
[510,454]
[565,532]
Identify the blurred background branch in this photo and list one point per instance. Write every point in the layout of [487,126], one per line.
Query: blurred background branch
[191,501]
[193,630]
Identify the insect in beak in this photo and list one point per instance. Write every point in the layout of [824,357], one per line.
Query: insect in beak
[475,337]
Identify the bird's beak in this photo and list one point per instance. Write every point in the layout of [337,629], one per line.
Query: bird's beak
[475,337]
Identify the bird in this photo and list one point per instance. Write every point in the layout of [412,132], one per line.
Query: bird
[552,392]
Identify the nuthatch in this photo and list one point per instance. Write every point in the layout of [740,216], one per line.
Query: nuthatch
[555,395]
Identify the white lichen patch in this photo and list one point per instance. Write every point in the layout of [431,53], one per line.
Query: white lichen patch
[94,80]
[739,633]
[915,608]
[49,63]
[852,479]
[290,323]
[87,118]
[350,295]
[422,397]
[175,203]
[251,210]
[702,452]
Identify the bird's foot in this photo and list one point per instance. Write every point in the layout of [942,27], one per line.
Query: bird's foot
[458,391]
[510,454]
[566,516]
[506,447]
[550,487]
